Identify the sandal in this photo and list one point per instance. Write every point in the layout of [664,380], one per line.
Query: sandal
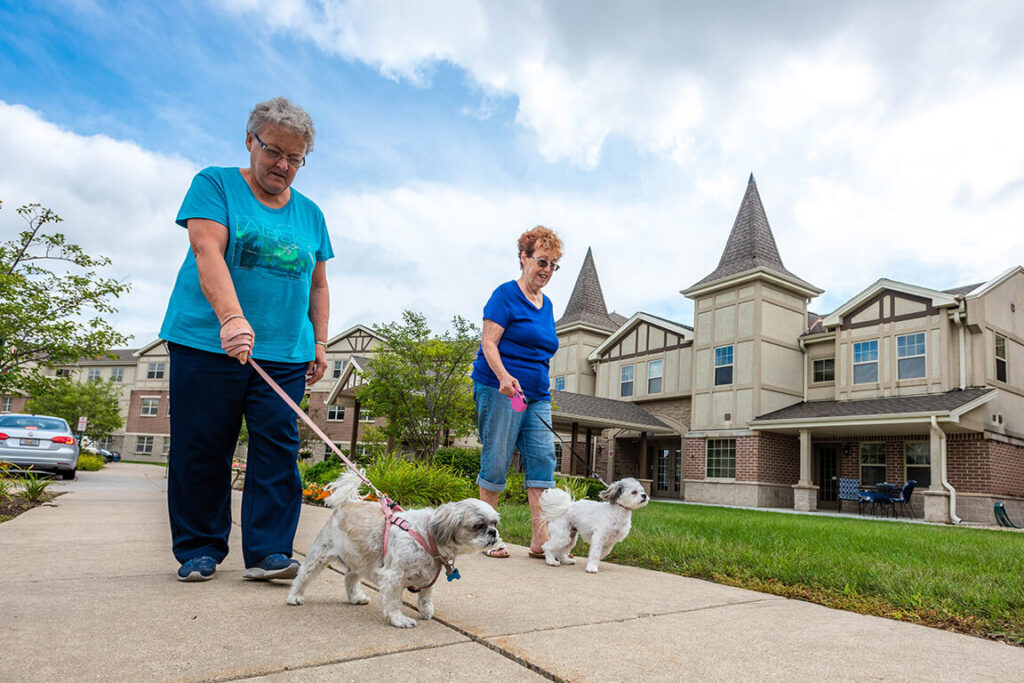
[500,552]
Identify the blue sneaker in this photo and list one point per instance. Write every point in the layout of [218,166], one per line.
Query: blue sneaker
[276,566]
[197,569]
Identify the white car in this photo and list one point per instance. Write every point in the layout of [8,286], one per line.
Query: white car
[38,442]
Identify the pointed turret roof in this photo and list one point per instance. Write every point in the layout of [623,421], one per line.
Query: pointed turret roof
[586,305]
[751,244]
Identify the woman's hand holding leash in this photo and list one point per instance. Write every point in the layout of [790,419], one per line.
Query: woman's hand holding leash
[237,338]
[509,386]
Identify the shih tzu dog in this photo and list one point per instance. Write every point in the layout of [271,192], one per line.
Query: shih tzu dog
[601,524]
[355,535]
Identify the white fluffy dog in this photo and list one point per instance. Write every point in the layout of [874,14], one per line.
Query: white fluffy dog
[602,525]
[355,535]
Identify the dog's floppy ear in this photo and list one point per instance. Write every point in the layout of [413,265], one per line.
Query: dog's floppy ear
[612,493]
[444,522]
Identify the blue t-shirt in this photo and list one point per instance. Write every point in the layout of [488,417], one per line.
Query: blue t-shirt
[270,254]
[527,344]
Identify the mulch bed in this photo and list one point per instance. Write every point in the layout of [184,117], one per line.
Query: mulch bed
[9,509]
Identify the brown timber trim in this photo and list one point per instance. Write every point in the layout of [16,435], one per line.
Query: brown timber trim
[877,301]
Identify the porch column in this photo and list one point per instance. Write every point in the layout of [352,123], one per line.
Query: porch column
[644,465]
[590,452]
[936,498]
[805,493]
[572,448]
[355,431]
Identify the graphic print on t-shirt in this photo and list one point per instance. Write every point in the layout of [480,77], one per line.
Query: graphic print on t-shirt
[271,250]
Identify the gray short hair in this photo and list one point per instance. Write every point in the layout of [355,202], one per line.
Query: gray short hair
[281,111]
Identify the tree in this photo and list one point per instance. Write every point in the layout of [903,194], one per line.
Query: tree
[421,383]
[66,398]
[50,318]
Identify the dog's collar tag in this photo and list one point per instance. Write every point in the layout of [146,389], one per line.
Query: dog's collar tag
[452,575]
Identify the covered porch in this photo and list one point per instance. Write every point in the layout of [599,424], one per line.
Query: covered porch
[892,439]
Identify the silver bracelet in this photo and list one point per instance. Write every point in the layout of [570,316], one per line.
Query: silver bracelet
[323,344]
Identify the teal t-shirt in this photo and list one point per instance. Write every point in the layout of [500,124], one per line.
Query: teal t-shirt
[270,254]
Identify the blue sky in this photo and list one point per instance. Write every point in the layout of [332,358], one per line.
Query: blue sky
[884,137]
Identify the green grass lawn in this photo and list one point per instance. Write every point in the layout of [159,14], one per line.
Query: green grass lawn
[962,579]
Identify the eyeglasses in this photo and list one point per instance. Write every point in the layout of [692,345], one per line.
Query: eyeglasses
[543,263]
[276,155]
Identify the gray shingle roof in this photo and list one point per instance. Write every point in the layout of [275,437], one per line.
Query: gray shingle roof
[966,289]
[895,405]
[751,243]
[586,304]
[120,356]
[568,405]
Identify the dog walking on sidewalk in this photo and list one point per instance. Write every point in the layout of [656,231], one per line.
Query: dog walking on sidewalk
[601,524]
[409,554]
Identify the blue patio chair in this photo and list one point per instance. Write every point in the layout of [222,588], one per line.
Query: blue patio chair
[888,494]
[903,499]
[876,498]
[849,489]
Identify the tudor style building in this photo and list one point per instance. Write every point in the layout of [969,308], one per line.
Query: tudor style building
[763,403]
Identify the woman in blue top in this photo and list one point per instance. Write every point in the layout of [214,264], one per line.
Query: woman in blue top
[254,284]
[516,347]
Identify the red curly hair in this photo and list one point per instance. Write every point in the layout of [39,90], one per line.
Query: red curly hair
[541,238]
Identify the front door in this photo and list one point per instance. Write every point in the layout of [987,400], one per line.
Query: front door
[668,465]
[828,476]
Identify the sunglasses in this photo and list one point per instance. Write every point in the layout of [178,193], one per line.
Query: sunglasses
[543,263]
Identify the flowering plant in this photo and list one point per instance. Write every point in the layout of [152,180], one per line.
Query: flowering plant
[315,493]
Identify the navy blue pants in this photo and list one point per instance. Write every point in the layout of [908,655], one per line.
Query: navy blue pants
[210,392]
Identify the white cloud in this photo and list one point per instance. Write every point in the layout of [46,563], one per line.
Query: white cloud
[117,200]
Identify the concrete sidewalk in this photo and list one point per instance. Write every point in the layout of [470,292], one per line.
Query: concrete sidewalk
[88,593]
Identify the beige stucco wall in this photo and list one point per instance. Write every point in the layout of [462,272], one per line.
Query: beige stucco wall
[571,360]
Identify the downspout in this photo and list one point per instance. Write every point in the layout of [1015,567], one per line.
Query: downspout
[945,481]
[958,317]
[803,351]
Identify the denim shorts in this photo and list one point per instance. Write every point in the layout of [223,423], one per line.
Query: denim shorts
[502,429]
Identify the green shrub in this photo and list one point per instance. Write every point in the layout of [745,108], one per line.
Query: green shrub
[576,486]
[87,462]
[323,472]
[514,493]
[6,482]
[593,486]
[465,461]
[33,487]
[416,484]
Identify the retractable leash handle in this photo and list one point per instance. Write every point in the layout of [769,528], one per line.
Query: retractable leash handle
[519,405]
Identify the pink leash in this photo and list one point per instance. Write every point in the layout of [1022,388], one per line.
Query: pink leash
[389,506]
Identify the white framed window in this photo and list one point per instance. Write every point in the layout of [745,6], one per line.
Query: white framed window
[105,442]
[723,365]
[366,416]
[116,374]
[910,356]
[335,413]
[144,444]
[1001,358]
[917,456]
[339,367]
[155,371]
[166,447]
[5,404]
[94,374]
[150,406]
[560,383]
[721,458]
[63,372]
[865,362]
[824,370]
[872,463]
[655,373]
[626,381]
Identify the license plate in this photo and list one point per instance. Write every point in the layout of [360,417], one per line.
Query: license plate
[30,442]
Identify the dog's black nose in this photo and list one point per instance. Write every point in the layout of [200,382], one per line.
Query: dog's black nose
[492,532]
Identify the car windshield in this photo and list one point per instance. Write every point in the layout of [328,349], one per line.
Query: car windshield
[31,422]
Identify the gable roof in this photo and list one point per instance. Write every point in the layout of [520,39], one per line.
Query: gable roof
[683,331]
[138,353]
[592,411]
[751,248]
[350,331]
[994,282]
[586,304]
[938,299]
[120,356]
[351,378]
